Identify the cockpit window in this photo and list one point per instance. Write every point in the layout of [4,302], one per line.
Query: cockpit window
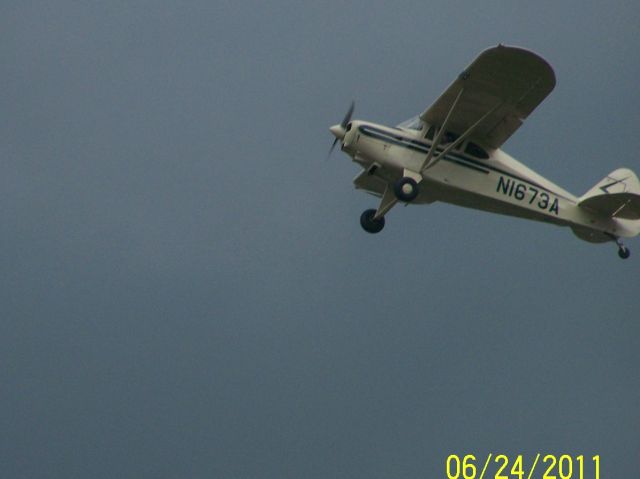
[412,124]
[474,150]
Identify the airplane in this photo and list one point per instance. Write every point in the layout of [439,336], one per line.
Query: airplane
[452,153]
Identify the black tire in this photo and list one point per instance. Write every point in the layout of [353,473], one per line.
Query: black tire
[406,189]
[369,224]
[624,253]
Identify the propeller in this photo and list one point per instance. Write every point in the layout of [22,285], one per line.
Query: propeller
[339,130]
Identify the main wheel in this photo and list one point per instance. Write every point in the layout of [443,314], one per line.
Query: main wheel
[369,223]
[406,189]
[624,252]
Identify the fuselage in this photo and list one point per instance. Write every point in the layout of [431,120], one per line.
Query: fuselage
[472,176]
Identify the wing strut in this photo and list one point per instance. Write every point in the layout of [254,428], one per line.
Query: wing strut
[427,161]
[433,160]
[389,198]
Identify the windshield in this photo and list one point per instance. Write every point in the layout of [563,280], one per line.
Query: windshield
[412,124]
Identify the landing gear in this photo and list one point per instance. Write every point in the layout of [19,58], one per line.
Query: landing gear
[369,223]
[623,251]
[406,189]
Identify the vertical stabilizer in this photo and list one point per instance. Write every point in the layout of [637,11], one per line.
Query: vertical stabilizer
[616,196]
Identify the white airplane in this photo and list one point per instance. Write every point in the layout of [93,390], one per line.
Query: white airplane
[452,153]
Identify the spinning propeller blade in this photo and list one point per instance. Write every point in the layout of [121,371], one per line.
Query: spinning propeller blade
[339,130]
[347,117]
[332,147]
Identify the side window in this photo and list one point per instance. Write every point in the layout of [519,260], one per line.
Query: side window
[449,137]
[430,133]
[474,150]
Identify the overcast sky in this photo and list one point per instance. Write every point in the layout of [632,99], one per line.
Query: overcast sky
[186,291]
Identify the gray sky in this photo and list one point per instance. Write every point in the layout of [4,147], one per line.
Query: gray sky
[186,290]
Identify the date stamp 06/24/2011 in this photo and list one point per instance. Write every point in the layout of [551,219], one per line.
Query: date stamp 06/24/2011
[501,466]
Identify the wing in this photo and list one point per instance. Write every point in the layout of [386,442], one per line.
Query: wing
[512,80]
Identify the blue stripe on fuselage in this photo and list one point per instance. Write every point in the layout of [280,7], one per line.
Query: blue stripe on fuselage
[419,146]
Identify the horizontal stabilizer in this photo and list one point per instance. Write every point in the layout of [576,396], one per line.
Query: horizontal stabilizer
[617,195]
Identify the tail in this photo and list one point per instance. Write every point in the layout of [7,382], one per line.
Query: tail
[616,196]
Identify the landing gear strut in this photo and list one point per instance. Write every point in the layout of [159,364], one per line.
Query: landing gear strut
[405,190]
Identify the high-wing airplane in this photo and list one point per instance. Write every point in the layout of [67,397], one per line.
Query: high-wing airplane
[452,153]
